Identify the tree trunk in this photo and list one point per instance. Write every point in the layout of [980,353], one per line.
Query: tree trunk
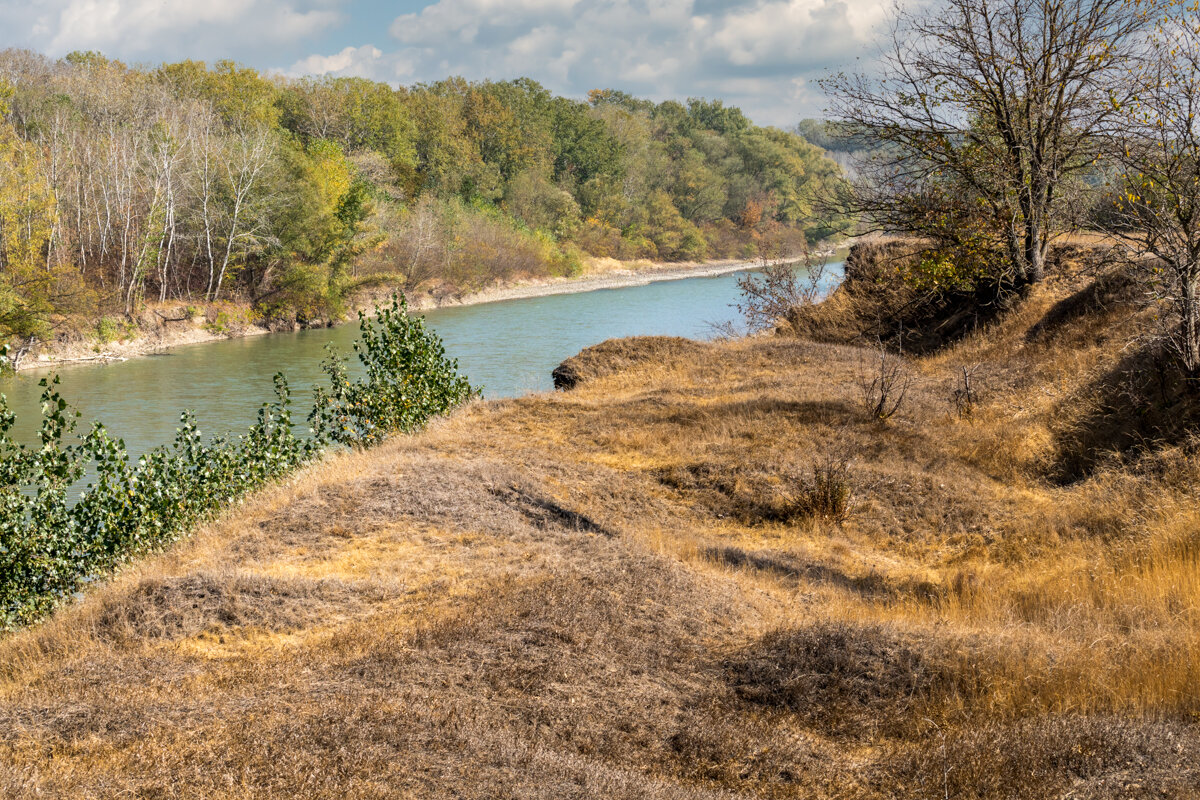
[1189,345]
[1037,259]
[1035,250]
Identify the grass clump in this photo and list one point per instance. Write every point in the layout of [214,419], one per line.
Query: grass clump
[827,493]
[851,678]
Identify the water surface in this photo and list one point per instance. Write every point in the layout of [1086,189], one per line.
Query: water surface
[510,347]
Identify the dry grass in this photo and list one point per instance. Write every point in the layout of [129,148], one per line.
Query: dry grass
[620,592]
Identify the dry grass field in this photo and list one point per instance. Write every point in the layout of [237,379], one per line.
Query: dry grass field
[643,588]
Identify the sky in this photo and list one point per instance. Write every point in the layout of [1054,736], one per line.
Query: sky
[764,56]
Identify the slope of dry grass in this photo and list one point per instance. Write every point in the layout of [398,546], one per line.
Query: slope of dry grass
[623,591]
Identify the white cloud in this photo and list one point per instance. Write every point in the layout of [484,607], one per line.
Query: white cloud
[794,31]
[367,61]
[763,55]
[167,29]
[350,59]
[461,20]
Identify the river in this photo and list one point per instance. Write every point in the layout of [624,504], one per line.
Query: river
[509,347]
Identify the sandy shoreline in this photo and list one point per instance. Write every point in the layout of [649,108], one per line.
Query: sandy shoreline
[605,274]
[611,279]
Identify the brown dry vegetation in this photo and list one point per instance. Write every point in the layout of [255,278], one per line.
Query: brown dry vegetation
[627,591]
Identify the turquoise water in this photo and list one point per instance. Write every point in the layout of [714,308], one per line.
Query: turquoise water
[510,347]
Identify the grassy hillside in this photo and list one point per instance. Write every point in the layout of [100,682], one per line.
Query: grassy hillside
[630,590]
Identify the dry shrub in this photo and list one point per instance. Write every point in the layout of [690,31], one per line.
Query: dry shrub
[855,679]
[771,294]
[828,492]
[883,383]
[758,495]
[1049,757]
[964,395]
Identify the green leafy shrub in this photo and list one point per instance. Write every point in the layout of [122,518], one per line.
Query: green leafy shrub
[408,380]
[50,546]
[112,329]
[229,318]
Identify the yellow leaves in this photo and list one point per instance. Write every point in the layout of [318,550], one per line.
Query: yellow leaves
[332,175]
[26,207]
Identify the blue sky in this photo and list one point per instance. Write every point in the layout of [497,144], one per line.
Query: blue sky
[762,55]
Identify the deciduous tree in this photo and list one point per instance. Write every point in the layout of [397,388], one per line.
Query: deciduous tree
[999,103]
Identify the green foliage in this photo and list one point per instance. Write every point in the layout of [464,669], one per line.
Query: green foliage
[716,116]
[357,114]
[674,237]
[50,547]
[964,253]
[242,96]
[541,205]
[301,293]
[113,329]
[408,380]
[27,287]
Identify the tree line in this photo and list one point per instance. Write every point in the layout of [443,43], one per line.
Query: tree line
[123,185]
[993,127]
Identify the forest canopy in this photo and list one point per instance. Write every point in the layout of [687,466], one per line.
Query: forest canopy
[123,185]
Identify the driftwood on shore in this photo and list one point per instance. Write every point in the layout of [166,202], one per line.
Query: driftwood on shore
[164,318]
[104,357]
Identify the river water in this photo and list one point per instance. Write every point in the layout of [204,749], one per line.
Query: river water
[509,347]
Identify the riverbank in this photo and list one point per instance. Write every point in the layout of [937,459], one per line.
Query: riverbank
[160,327]
[706,572]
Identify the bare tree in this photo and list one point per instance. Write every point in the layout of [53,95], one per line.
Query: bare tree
[883,382]
[983,112]
[965,392]
[242,161]
[770,294]
[1157,145]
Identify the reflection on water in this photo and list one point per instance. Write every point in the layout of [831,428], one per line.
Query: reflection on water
[509,347]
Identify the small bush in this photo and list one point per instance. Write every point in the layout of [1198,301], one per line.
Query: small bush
[776,291]
[827,493]
[114,329]
[758,497]
[965,395]
[408,381]
[883,383]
